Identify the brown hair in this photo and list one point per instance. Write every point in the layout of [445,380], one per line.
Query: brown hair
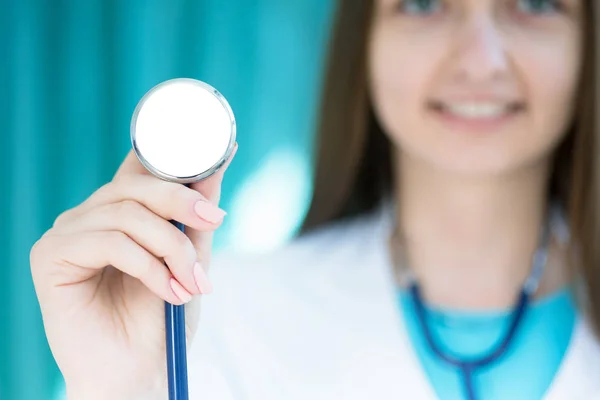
[353,169]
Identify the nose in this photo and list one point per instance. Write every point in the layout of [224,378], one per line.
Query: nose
[480,51]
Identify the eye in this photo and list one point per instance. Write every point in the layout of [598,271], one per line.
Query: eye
[539,6]
[419,7]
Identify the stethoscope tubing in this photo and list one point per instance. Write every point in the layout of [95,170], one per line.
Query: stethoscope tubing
[176,346]
[468,367]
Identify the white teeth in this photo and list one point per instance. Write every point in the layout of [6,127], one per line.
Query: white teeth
[477,110]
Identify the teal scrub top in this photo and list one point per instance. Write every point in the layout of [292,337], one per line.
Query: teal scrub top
[525,371]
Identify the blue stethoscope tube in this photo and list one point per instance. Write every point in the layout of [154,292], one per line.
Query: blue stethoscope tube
[469,367]
[176,346]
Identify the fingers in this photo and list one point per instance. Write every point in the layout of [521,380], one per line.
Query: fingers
[131,214]
[150,231]
[83,255]
[170,201]
[195,207]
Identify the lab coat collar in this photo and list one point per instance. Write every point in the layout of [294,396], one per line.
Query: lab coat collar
[577,378]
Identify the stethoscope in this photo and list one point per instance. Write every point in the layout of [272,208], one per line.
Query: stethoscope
[183,131]
[469,367]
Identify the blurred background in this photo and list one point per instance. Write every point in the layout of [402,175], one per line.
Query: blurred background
[71,74]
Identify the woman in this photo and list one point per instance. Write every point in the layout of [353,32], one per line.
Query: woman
[455,194]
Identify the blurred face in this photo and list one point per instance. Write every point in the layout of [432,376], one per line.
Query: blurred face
[475,86]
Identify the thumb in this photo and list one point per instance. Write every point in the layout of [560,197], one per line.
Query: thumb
[210,187]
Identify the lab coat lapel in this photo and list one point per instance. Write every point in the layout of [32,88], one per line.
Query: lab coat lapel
[389,368]
[579,375]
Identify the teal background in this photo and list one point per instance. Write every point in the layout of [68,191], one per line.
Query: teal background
[71,73]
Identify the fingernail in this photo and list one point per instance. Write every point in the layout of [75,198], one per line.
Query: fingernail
[209,212]
[180,292]
[202,281]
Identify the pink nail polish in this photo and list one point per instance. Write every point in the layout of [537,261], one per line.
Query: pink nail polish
[180,292]
[201,278]
[209,212]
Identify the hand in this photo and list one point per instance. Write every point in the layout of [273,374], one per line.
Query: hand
[101,279]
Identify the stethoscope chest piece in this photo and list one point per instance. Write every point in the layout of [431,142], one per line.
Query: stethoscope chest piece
[183,130]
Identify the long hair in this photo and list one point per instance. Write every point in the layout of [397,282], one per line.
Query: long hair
[353,170]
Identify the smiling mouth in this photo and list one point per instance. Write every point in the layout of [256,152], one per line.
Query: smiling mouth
[477,110]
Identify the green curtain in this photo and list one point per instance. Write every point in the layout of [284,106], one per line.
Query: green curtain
[71,73]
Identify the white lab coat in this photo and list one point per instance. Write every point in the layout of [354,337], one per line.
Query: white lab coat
[319,320]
